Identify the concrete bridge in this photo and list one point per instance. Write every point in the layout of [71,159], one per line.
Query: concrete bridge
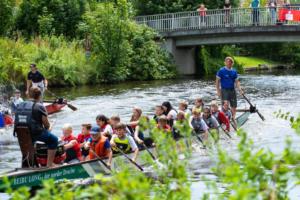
[182,32]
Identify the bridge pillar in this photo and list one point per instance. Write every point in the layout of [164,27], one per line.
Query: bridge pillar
[184,57]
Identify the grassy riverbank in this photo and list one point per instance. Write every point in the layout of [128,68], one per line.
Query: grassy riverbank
[254,62]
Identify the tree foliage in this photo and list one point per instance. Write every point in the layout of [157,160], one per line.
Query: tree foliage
[50,16]
[6,16]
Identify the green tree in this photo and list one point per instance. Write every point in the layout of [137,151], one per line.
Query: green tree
[6,16]
[64,16]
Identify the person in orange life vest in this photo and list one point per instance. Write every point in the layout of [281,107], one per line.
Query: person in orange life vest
[220,116]
[84,139]
[71,145]
[105,128]
[124,141]
[163,124]
[136,115]
[100,146]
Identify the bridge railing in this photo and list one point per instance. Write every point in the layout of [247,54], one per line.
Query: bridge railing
[239,17]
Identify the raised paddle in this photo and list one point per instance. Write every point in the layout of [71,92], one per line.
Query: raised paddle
[69,105]
[126,156]
[253,108]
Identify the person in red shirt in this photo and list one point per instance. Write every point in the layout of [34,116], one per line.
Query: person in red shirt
[220,116]
[163,124]
[84,139]
[71,146]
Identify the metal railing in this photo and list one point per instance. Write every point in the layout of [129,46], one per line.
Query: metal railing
[239,17]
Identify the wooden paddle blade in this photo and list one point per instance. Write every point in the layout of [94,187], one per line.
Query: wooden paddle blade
[72,107]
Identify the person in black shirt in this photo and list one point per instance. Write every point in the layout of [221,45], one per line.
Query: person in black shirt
[36,79]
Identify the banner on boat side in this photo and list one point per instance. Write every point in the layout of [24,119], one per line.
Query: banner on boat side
[289,15]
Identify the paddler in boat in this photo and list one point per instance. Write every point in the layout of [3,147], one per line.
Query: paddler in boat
[142,133]
[84,139]
[226,109]
[39,123]
[226,82]
[209,119]
[105,128]
[170,112]
[183,106]
[220,116]
[198,104]
[71,145]
[124,141]
[134,121]
[100,146]
[163,124]
[159,111]
[36,79]
[198,124]
[179,122]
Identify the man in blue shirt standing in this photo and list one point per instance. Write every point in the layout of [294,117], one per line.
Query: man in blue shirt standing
[227,78]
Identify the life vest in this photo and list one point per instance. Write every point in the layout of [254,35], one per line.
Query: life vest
[123,144]
[24,114]
[74,152]
[227,113]
[97,147]
[209,122]
[197,125]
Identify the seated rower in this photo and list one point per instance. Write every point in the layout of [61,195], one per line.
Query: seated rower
[113,121]
[100,146]
[159,111]
[198,104]
[210,120]
[220,116]
[170,112]
[198,124]
[71,146]
[181,117]
[163,124]
[105,128]
[226,109]
[183,106]
[136,115]
[124,142]
[84,139]
[142,133]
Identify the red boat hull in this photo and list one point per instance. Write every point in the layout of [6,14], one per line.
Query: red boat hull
[53,108]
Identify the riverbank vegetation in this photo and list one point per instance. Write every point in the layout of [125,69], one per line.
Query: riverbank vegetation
[250,173]
[79,42]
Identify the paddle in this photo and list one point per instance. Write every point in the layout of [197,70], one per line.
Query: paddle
[150,153]
[126,156]
[199,138]
[69,105]
[253,108]
[104,163]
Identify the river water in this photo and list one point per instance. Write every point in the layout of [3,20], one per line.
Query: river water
[269,91]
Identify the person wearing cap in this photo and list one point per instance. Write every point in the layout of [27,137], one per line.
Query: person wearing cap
[15,101]
[123,141]
[226,83]
[36,79]
[71,146]
[100,146]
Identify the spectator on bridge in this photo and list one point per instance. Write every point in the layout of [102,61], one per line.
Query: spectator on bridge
[255,12]
[202,13]
[272,4]
[227,8]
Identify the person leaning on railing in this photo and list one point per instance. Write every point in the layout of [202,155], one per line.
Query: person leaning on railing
[202,13]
